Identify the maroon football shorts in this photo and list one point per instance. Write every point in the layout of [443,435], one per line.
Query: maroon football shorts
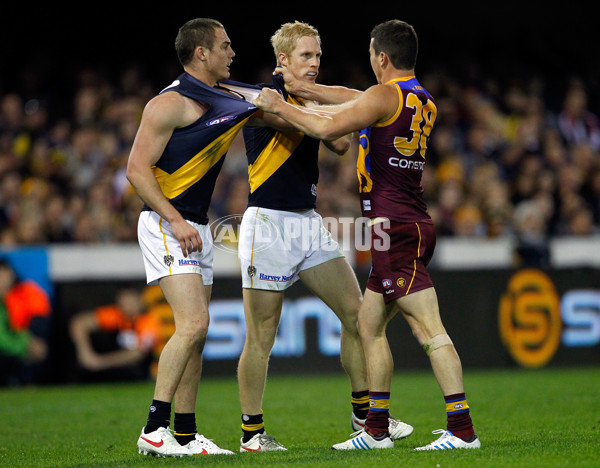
[400,254]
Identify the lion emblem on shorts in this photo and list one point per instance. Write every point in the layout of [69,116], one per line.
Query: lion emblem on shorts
[401,282]
[168,259]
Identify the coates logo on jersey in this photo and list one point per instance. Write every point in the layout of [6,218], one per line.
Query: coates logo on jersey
[219,120]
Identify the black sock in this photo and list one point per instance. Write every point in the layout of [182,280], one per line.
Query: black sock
[360,404]
[252,424]
[185,427]
[158,416]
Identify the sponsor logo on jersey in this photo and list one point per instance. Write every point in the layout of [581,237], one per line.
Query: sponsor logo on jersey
[406,163]
[219,120]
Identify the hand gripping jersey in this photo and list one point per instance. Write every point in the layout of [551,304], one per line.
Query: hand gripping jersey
[391,157]
[282,166]
[188,168]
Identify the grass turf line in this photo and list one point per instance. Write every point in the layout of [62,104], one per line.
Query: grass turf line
[541,418]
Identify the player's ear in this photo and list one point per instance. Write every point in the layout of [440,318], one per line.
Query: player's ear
[283,60]
[200,53]
[384,60]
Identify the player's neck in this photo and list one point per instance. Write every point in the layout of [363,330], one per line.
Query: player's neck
[394,74]
[202,75]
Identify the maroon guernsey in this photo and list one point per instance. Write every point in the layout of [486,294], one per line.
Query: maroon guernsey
[392,157]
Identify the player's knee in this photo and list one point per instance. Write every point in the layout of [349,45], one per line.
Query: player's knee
[260,339]
[200,344]
[351,332]
[349,322]
[265,340]
[201,330]
[437,342]
[194,331]
[369,330]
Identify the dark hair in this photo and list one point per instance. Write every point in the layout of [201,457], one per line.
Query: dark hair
[399,41]
[5,264]
[194,33]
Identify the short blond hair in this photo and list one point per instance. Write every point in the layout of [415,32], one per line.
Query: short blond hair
[285,38]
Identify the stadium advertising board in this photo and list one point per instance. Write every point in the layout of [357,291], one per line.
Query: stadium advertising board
[496,318]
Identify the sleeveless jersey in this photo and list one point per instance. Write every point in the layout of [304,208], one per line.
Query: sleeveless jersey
[282,166]
[188,168]
[391,157]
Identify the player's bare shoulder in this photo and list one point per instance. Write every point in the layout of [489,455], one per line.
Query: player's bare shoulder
[173,109]
[385,95]
[380,101]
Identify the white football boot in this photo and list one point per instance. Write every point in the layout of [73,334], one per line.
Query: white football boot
[397,429]
[448,441]
[161,443]
[261,443]
[361,440]
[203,446]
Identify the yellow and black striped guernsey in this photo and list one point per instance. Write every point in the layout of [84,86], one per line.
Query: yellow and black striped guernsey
[282,166]
[189,166]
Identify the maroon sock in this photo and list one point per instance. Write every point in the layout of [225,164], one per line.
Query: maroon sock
[378,415]
[459,417]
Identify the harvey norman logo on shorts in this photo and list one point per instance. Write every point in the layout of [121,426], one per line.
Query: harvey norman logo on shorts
[276,279]
[187,261]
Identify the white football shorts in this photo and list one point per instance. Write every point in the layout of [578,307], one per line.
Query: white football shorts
[274,246]
[162,252]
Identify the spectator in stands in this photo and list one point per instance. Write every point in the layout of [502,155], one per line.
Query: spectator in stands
[24,328]
[115,341]
[530,225]
[80,157]
[577,124]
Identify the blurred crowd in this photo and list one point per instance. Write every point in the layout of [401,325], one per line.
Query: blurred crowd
[509,158]
[502,161]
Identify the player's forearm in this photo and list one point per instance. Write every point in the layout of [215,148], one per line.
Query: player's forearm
[327,94]
[309,121]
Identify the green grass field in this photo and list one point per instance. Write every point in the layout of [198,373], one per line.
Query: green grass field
[541,418]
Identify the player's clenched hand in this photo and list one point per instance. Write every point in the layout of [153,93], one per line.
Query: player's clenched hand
[267,100]
[187,235]
[293,84]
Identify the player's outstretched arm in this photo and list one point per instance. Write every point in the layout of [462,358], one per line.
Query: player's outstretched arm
[323,94]
[376,104]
